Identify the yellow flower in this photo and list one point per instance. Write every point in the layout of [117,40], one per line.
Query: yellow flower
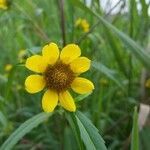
[22,55]
[83,24]
[3,4]
[58,72]
[8,67]
[147,83]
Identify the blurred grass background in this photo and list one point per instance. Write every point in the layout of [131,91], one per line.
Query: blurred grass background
[120,77]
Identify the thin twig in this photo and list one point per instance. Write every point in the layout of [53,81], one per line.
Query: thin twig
[113,8]
[62,21]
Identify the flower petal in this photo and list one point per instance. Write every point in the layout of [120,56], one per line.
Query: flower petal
[34,83]
[80,65]
[49,101]
[82,85]
[36,63]
[50,53]
[67,101]
[69,53]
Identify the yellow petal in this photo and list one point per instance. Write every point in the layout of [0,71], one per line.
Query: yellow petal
[50,53]
[3,4]
[69,53]
[3,7]
[34,83]
[36,63]
[82,85]
[49,101]
[80,65]
[67,101]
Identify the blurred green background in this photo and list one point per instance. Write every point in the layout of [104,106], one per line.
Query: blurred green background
[120,68]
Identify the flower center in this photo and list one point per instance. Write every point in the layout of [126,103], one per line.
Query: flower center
[59,77]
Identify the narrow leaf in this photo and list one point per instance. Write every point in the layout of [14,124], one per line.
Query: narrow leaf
[89,133]
[81,97]
[25,128]
[73,123]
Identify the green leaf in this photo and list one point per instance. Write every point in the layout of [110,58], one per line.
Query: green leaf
[132,45]
[89,133]
[73,123]
[135,132]
[81,97]
[108,72]
[25,128]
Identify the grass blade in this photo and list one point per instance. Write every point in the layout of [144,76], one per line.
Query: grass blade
[73,123]
[26,127]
